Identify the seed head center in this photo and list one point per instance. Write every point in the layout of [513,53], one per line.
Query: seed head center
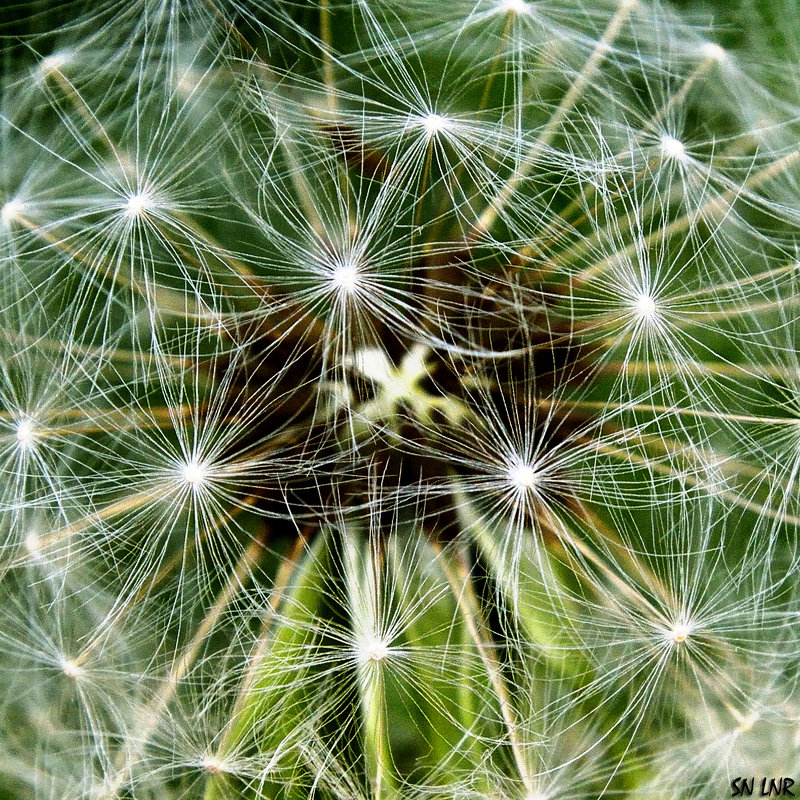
[679,632]
[11,210]
[345,278]
[523,476]
[375,650]
[194,473]
[138,204]
[71,669]
[213,765]
[672,148]
[435,123]
[645,306]
[25,433]
[514,7]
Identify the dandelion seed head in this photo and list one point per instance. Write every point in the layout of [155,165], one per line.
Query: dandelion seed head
[713,52]
[70,668]
[138,204]
[401,218]
[672,148]
[397,383]
[194,473]
[11,210]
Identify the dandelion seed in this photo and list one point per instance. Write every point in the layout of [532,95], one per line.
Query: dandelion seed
[435,124]
[747,722]
[523,476]
[679,632]
[213,765]
[194,473]
[11,210]
[53,62]
[645,306]
[25,433]
[138,204]
[514,7]
[672,148]
[71,669]
[713,52]
[33,544]
[374,649]
[345,278]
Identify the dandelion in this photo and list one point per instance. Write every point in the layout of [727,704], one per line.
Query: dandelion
[645,306]
[25,432]
[10,211]
[514,6]
[673,148]
[71,669]
[138,204]
[398,400]
[435,124]
[194,473]
[523,476]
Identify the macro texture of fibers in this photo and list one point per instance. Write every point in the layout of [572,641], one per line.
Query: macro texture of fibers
[399,399]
